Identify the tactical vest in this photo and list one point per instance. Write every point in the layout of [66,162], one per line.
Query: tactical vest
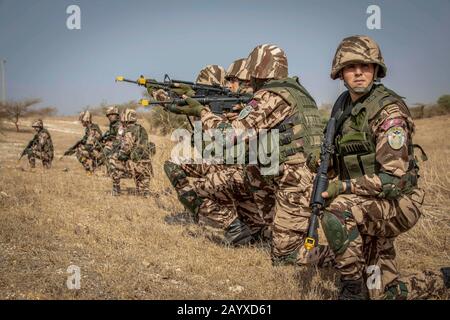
[301,132]
[48,146]
[140,150]
[93,127]
[356,145]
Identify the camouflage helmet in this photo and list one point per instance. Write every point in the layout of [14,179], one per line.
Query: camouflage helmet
[212,75]
[267,61]
[112,110]
[128,115]
[38,124]
[357,49]
[85,116]
[237,70]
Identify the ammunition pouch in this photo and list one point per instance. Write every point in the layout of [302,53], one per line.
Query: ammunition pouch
[358,155]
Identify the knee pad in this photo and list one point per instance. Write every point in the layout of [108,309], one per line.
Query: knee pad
[336,232]
[174,172]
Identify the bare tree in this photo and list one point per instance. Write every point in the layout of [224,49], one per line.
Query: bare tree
[43,112]
[15,110]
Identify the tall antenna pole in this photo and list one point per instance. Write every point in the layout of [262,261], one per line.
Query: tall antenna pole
[2,74]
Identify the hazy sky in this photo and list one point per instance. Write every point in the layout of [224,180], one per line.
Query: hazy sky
[70,69]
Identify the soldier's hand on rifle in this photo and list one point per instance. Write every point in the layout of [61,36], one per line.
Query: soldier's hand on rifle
[335,188]
[231,116]
[194,108]
[182,89]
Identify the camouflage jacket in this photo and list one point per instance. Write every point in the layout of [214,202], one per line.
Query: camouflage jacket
[134,143]
[92,136]
[111,134]
[42,142]
[387,129]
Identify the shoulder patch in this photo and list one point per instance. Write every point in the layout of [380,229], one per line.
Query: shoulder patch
[389,123]
[246,111]
[396,137]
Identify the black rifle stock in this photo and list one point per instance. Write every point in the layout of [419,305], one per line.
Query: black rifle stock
[317,202]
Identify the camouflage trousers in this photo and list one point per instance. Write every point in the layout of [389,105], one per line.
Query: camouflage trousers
[293,189]
[107,151]
[45,157]
[226,196]
[90,159]
[375,224]
[141,171]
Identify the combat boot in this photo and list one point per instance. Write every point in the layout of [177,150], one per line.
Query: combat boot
[191,201]
[115,190]
[238,234]
[286,260]
[144,193]
[353,290]
[446,273]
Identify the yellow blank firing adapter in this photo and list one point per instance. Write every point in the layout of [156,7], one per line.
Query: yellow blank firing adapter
[144,102]
[310,243]
[141,80]
[119,78]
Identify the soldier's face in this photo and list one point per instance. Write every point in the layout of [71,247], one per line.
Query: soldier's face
[113,117]
[233,84]
[36,129]
[358,76]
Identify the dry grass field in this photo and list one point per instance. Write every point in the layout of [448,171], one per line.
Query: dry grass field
[125,249]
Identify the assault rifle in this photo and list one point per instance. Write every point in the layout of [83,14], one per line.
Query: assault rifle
[218,104]
[317,202]
[72,149]
[190,88]
[28,147]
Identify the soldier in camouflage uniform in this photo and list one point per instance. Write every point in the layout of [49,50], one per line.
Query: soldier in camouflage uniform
[375,196]
[40,147]
[218,192]
[89,148]
[132,157]
[280,103]
[109,138]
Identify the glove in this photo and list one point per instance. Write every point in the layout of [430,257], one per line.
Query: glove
[183,89]
[194,108]
[150,88]
[313,160]
[335,188]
